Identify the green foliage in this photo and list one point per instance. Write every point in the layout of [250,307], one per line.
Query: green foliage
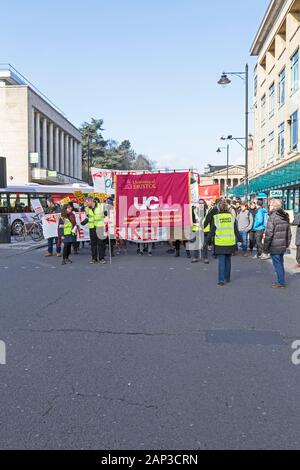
[108,154]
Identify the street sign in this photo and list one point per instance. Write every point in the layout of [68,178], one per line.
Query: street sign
[34,158]
[276,194]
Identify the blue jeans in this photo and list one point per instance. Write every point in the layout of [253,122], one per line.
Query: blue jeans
[50,246]
[278,263]
[244,236]
[224,268]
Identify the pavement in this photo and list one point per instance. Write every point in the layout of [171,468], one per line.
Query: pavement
[146,353]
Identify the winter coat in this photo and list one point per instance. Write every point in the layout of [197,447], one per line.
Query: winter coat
[260,220]
[297,222]
[67,238]
[245,221]
[223,250]
[278,234]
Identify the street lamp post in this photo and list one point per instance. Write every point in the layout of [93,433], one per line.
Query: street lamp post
[224,81]
[227,148]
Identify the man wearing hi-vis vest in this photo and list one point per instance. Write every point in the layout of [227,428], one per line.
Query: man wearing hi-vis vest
[96,214]
[224,235]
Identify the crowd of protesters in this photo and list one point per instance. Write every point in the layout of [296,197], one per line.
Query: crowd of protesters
[228,223]
[262,232]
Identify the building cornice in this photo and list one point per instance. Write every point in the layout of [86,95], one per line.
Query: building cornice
[274,9]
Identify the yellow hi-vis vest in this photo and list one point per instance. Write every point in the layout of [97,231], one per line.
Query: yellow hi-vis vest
[225,234]
[96,217]
[206,229]
[195,226]
[68,227]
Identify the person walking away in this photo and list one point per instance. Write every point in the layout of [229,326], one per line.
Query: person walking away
[297,223]
[252,210]
[208,207]
[194,243]
[278,238]
[208,223]
[245,224]
[68,231]
[96,220]
[259,226]
[225,235]
[53,208]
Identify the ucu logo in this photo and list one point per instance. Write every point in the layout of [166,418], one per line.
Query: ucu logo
[148,203]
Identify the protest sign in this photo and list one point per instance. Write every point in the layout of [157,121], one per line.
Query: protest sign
[153,200]
[103,181]
[37,206]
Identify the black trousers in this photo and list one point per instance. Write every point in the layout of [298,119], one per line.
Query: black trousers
[298,254]
[98,246]
[259,241]
[251,240]
[205,246]
[67,250]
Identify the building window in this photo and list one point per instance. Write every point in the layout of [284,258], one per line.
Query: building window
[282,88]
[295,72]
[271,152]
[272,99]
[262,153]
[294,131]
[281,140]
[263,109]
[255,86]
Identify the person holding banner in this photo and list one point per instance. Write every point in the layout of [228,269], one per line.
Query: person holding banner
[67,231]
[96,220]
[53,208]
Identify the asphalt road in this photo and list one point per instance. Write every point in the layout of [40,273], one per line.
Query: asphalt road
[146,354]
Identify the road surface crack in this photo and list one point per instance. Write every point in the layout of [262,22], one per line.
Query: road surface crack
[84,396]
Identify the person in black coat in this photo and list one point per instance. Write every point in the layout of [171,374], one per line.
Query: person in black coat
[278,238]
[224,252]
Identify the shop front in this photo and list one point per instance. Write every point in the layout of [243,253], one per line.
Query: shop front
[283,183]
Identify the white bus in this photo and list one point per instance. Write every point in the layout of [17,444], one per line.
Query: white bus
[16,200]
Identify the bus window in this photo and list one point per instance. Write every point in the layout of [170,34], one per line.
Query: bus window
[43,199]
[19,203]
[3,204]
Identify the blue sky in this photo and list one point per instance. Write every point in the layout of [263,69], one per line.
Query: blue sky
[147,67]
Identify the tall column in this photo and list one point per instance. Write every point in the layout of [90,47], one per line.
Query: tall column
[32,131]
[75,159]
[51,147]
[79,161]
[56,144]
[62,153]
[45,144]
[71,157]
[67,157]
[38,136]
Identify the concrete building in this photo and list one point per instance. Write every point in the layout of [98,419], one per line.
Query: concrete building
[217,174]
[275,162]
[38,141]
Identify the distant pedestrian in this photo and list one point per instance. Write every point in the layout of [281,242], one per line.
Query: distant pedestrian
[259,226]
[245,224]
[208,207]
[278,239]
[252,210]
[225,235]
[297,223]
[95,219]
[67,231]
[53,208]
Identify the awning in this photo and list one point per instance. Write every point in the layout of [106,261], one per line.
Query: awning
[288,175]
